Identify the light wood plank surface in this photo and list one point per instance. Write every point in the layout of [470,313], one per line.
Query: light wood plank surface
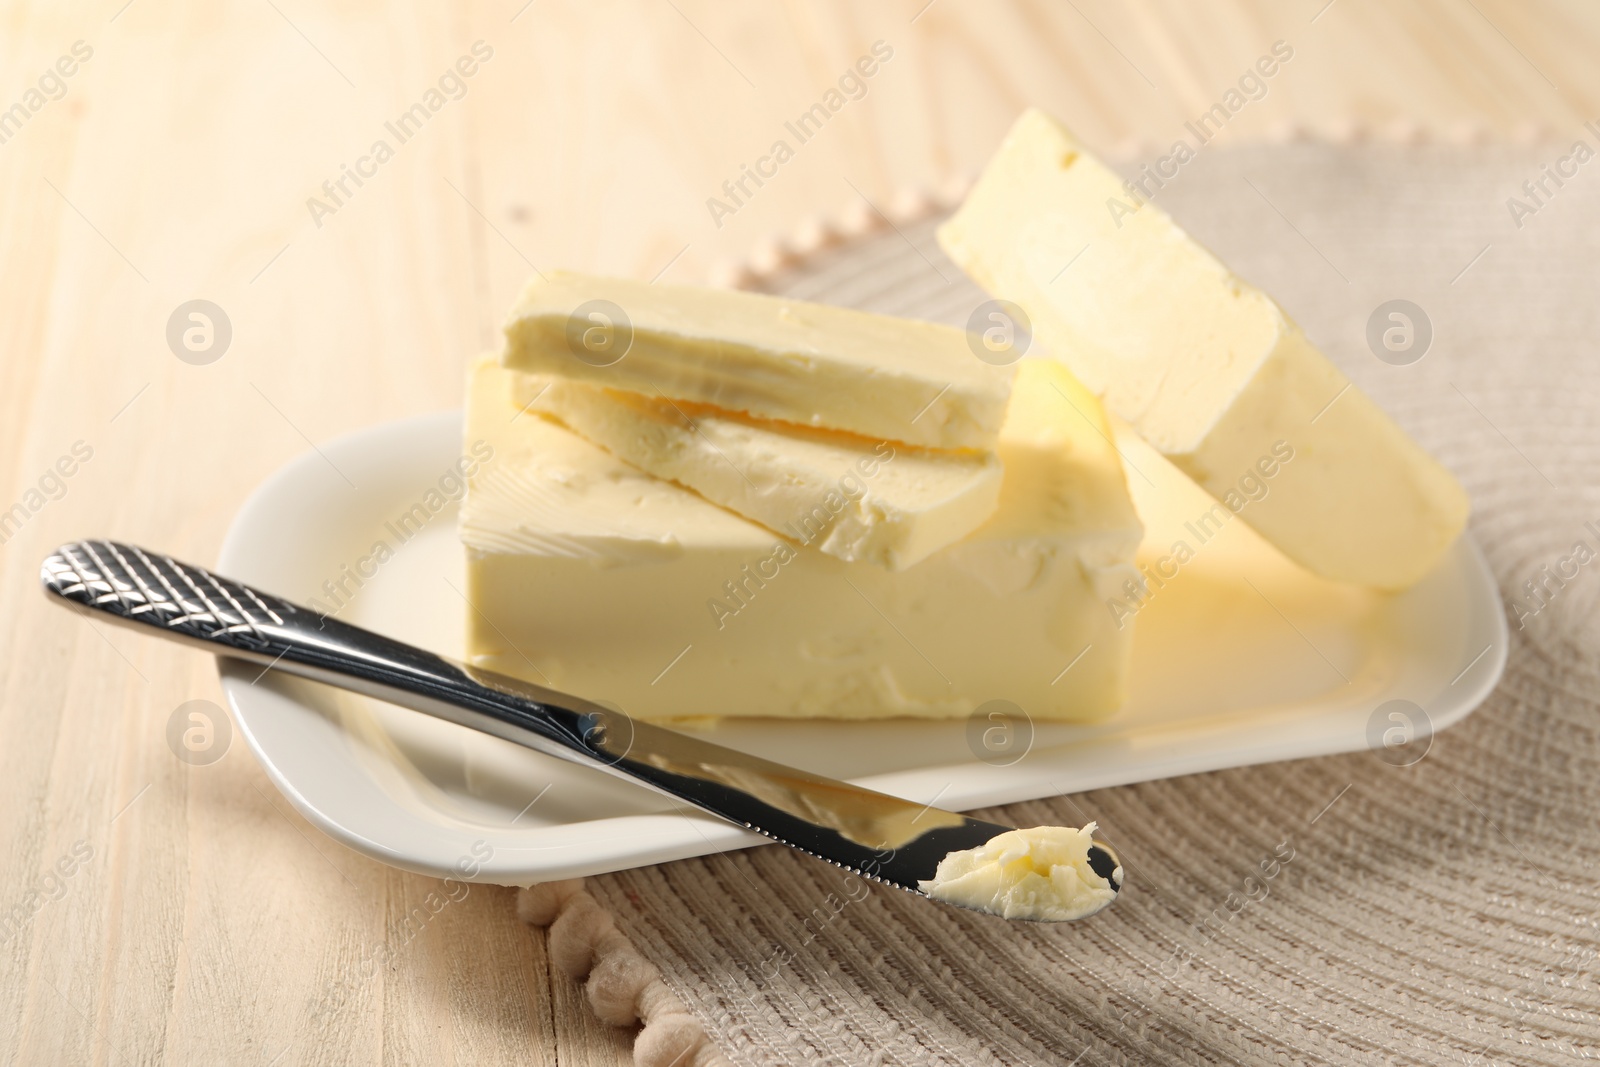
[203,921]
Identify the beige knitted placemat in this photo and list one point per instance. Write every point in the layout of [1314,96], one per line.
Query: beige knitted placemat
[1443,912]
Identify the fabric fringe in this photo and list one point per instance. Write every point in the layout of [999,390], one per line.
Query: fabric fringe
[624,989]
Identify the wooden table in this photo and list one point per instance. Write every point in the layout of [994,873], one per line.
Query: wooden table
[184,157]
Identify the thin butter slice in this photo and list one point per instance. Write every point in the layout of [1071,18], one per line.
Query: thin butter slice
[1204,366]
[850,497]
[885,378]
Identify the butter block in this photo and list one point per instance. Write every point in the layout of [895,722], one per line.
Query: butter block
[848,496]
[589,575]
[886,378]
[1204,366]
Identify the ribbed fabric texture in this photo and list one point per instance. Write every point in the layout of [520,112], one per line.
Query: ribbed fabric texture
[1443,913]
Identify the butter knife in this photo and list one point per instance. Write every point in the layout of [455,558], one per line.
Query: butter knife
[889,840]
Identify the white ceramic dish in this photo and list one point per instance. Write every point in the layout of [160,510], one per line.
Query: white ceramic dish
[1228,672]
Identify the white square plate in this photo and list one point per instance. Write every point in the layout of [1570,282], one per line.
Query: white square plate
[1241,658]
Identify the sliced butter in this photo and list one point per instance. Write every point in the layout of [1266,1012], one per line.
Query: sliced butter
[885,378]
[589,575]
[1205,367]
[860,500]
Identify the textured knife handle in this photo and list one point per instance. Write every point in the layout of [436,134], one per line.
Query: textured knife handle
[139,587]
[180,601]
[143,589]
